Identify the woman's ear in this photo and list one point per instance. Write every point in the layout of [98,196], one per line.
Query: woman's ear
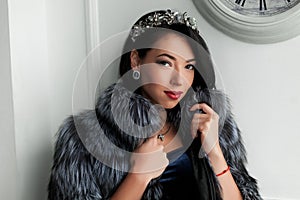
[134,59]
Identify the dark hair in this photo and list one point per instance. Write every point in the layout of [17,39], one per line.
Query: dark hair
[204,72]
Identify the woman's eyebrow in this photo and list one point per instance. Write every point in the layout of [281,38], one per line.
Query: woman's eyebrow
[191,60]
[167,55]
[173,58]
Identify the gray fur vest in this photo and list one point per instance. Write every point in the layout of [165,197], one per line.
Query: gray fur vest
[91,153]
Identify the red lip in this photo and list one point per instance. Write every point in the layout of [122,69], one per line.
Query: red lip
[173,94]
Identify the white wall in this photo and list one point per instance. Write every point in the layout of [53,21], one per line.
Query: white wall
[47,40]
[8,164]
[66,52]
[263,83]
[47,47]
[29,66]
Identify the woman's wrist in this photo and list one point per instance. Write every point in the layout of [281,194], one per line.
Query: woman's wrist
[217,159]
[216,152]
[140,178]
[132,187]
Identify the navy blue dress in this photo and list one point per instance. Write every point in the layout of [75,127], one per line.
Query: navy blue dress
[178,180]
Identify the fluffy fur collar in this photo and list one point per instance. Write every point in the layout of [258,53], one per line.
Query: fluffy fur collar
[91,153]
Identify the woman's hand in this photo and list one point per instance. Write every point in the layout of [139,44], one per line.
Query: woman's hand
[207,123]
[149,160]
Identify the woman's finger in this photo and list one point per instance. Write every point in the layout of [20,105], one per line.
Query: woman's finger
[201,116]
[204,107]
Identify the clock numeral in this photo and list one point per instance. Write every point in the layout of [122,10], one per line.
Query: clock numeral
[240,2]
[262,5]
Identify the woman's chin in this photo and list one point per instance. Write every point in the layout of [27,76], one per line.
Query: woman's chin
[169,105]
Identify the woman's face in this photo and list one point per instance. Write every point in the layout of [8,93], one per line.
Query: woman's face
[167,71]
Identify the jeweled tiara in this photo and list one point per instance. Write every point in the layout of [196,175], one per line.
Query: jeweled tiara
[162,17]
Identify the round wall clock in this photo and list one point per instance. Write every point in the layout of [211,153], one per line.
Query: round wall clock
[255,21]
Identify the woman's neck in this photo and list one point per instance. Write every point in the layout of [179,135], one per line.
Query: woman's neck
[172,140]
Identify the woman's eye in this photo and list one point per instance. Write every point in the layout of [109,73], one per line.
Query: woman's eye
[190,67]
[164,63]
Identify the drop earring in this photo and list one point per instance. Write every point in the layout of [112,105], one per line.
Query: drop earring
[136,75]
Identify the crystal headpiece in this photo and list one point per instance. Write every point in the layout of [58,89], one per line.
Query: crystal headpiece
[162,17]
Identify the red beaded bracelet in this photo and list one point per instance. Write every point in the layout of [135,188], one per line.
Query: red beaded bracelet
[223,172]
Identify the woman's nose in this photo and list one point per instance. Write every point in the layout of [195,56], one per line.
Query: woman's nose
[176,78]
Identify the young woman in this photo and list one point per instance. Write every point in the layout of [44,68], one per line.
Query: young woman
[162,132]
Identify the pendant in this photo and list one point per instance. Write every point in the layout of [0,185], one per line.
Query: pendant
[161,137]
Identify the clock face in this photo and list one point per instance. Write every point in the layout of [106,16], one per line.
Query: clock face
[259,8]
[254,21]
